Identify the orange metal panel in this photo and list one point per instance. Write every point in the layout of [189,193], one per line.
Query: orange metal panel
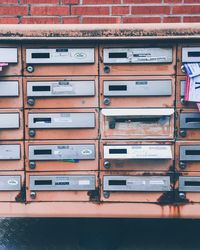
[61,165]
[147,164]
[61,101]
[53,196]
[137,101]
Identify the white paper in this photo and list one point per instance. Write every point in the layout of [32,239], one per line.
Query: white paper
[194,89]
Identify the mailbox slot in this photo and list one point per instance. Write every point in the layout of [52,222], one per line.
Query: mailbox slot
[189,184]
[190,54]
[60,55]
[137,55]
[9,120]
[189,120]
[9,55]
[190,153]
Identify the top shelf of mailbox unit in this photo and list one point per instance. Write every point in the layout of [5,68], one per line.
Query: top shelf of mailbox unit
[100,31]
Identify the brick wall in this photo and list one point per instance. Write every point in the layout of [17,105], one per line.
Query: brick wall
[99,11]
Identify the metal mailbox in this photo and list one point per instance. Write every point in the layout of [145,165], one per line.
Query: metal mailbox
[137,156]
[12,186]
[188,124]
[11,156]
[61,92]
[59,186]
[137,123]
[126,60]
[61,124]
[136,187]
[137,91]
[11,124]
[188,156]
[60,60]
[62,155]
[180,93]
[11,54]
[11,92]
[187,53]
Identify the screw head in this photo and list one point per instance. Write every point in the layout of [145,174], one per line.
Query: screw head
[182,195]
[30,69]
[183,102]
[182,165]
[31,132]
[183,69]
[32,164]
[106,69]
[106,101]
[33,195]
[106,194]
[183,133]
[30,101]
[107,164]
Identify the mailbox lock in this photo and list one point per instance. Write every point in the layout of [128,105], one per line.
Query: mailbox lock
[106,194]
[183,102]
[107,164]
[183,133]
[106,69]
[112,123]
[31,132]
[183,69]
[182,196]
[106,101]
[30,68]
[182,165]
[32,164]
[33,195]
[30,101]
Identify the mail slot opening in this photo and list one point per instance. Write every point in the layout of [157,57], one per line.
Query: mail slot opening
[118,87]
[61,50]
[118,151]
[117,183]
[192,152]
[197,119]
[43,182]
[41,88]
[140,119]
[118,55]
[42,152]
[194,54]
[46,120]
[192,183]
[60,183]
[40,55]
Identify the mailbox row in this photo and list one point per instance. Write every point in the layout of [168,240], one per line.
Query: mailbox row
[127,59]
[114,124]
[87,155]
[106,187]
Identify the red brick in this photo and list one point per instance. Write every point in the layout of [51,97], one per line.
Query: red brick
[71,20]
[172,19]
[89,11]
[39,1]
[186,9]
[191,1]
[9,20]
[8,1]
[50,10]
[92,20]
[120,10]
[101,2]
[142,1]
[191,19]
[172,1]
[151,10]
[13,10]
[141,20]
[70,2]
[38,20]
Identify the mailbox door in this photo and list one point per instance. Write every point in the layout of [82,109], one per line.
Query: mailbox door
[60,60]
[140,91]
[180,93]
[137,156]
[137,123]
[187,53]
[61,124]
[60,92]
[11,54]
[136,187]
[11,155]
[137,60]
[62,155]
[188,124]
[61,186]
[11,92]
[12,186]
[11,124]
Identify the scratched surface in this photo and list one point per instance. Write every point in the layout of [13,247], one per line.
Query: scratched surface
[98,234]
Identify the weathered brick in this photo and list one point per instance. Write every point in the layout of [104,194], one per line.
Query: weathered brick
[191,19]
[120,10]
[172,19]
[38,20]
[13,10]
[141,19]
[101,2]
[9,20]
[50,10]
[39,1]
[150,10]
[91,20]
[89,11]
[186,9]
[142,1]
[70,20]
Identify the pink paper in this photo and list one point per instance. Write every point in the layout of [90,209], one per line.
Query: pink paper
[198,105]
[187,89]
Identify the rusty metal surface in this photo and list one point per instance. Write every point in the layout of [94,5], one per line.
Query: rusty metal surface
[100,31]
